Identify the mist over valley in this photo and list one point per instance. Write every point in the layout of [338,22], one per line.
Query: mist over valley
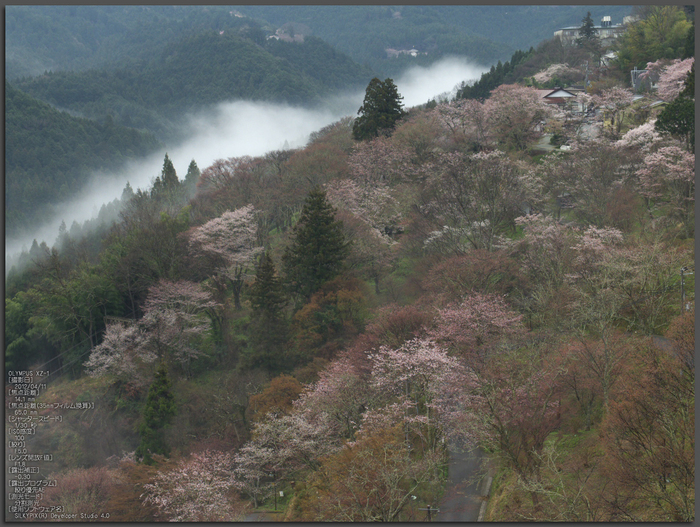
[234,129]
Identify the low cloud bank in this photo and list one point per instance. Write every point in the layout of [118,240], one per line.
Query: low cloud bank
[236,129]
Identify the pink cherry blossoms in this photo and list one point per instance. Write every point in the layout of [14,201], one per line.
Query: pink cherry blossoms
[672,76]
[175,319]
[197,490]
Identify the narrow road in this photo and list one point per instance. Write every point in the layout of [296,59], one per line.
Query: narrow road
[463,493]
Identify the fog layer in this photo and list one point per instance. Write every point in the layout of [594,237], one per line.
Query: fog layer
[236,129]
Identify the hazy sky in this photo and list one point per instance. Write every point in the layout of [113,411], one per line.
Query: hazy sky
[242,128]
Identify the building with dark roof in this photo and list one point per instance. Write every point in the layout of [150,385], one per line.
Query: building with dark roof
[606,32]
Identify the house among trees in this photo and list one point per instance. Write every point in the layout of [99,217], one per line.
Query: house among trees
[565,99]
[606,32]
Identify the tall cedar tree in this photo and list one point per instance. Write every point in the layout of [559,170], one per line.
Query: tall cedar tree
[157,414]
[587,30]
[588,38]
[269,327]
[380,110]
[167,180]
[191,178]
[319,248]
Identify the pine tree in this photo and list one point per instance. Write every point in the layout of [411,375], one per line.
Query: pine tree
[587,30]
[191,178]
[380,111]
[167,186]
[267,293]
[268,326]
[168,175]
[319,247]
[588,37]
[157,414]
[127,193]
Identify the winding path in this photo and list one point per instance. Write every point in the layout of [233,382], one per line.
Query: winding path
[464,493]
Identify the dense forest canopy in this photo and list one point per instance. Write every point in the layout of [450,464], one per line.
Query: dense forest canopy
[50,155]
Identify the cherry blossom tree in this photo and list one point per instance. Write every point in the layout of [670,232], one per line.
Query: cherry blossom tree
[281,447]
[381,160]
[421,373]
[476,326]
[592,246]
[176,317]
[614,101]
[121,354]
[667,178]
[252,472]
[372,202]
[197,490]
[473,197]
[514,408]
[338,397]
[545,250]
[671,76]
[515,115]
[644,137]
[466,123]
[231,238]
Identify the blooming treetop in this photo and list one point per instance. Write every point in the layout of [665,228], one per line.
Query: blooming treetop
[232,236]
[671,76]
[196,490]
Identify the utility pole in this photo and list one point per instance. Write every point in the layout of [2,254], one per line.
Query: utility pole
[684,270]
[430,509]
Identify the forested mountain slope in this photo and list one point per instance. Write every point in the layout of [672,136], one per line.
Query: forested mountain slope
[196,71]
[57,38]
[308,329]
[50,154]
[483,33]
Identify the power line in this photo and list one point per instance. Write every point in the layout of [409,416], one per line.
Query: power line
[69,364]
[63,353]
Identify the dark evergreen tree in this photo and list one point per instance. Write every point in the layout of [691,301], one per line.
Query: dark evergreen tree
[127,193]
[689,50]
[157,414]
[269,325]
[380,110]
[267,296]
[678,120]
[319,248]
[587,30]
[588,37]
[167,183]
[191,178]
[168,175]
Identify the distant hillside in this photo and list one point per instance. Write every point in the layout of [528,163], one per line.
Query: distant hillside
[49,154]
[41,38]
[481,32]
[198,70]
[78,38]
